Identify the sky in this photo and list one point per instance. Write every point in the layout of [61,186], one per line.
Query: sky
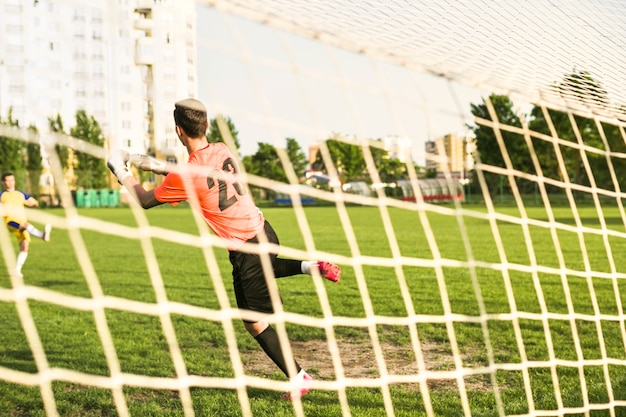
[275,85]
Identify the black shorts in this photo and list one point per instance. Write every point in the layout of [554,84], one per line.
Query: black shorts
[251,289]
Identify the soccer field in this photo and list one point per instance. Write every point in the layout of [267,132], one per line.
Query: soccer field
[495,314]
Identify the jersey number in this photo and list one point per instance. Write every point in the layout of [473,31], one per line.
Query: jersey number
[229,167]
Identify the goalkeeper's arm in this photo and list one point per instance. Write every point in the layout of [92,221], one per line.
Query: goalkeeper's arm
[117,163]
[147,163]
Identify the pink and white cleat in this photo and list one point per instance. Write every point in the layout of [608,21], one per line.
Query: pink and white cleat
[302,383]
[329,271]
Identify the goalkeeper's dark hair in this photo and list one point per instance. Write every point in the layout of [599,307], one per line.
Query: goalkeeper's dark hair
[190,114]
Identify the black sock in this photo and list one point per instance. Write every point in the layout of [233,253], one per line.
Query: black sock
[268,339]
[287,267]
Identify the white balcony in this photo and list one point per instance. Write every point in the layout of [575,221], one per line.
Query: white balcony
[144,51]
[144,24]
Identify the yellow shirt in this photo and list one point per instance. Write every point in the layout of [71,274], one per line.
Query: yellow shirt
[13,203]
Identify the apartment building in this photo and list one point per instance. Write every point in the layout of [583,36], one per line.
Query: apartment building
[449,153]
[124,62]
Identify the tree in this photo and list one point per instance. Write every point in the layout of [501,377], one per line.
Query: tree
[266,162]
[579,89]
[349,161]
[347,158]
[431,173]
[91,171]
[12,152]
[215,135]
[489,150]
[297,157]
[33,163]
[56,126]
[389,169]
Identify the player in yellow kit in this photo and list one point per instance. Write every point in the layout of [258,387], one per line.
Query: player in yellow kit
[13,203]
[210,178]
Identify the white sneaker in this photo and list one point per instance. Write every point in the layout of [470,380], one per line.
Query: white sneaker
[301,383]
[17,274]
[46,233]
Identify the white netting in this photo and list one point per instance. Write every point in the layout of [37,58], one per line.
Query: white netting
[468,346]
[519,48]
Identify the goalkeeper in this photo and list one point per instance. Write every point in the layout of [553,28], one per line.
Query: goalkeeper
[231,214]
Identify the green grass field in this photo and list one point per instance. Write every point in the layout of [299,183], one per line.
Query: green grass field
[582,320]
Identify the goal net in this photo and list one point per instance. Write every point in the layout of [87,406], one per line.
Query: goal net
[464,168]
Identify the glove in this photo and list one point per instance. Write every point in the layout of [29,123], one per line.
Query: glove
[147,163]
[117,164]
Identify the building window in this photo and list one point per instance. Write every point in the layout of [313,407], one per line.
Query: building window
[169,73]
[79,15]
[168,19]
[16,88]
[99,90]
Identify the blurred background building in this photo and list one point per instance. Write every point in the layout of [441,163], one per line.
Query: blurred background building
[125,62]
[450,153]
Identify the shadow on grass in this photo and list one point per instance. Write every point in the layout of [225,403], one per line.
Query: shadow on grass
[19,360]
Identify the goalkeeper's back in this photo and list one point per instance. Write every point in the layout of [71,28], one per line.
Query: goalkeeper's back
[226,207]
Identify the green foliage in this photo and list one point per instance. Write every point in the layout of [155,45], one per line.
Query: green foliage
[13,154]
[491,152]
[430,173]
[297,157]
[33,163]
[215,135]
[577,131]
[551,126]
[91,172]
[56,126]
[350,163]
[266,163]
[579,88]
[389,169]
[11,150]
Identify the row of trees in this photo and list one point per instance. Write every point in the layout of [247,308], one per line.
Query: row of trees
[555,144]
[348,159]
[24,159]
[581,147]
[583,154]
[21,158]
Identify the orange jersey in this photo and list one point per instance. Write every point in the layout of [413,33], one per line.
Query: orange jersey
[226,206]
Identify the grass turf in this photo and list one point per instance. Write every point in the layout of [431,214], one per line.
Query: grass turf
[562,319]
